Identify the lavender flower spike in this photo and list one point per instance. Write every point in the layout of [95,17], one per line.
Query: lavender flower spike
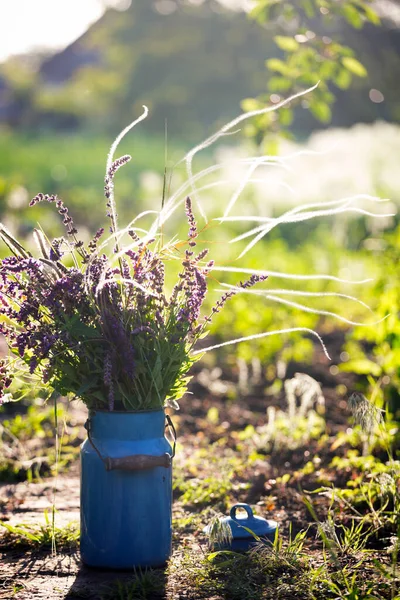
[192,223]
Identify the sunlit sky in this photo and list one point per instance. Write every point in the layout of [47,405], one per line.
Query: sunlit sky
[27,25]
[36,24]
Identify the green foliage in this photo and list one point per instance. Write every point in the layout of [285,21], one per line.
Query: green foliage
[372,488]
[212,486]
[284,432]
[74,168]
[39,536]
[310,57]
[354,66]
[27,444]
[339,579]
[294,427]
[380,364]
[146,584]
[35,424]
[280,570]
[373,497]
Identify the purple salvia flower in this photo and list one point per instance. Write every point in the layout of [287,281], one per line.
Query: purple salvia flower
[107,378]
[245,285]
[143,329]
[119,339]
[201,255]
[192,222]
[33,363]
[5,379]
[134,235]
[252,281]
[197,297]
[108,187]
[55,249]
[95,271]
[160,318]
[125,269]
[67,293]
[107,370]
[156,277]
[117,164]
[46,374]
[93,243]
[21,343]
[14,264]
[67,219]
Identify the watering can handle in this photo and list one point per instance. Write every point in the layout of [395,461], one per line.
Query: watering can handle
[138,462]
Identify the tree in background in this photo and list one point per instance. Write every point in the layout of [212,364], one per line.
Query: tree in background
[192,63]
[310,57]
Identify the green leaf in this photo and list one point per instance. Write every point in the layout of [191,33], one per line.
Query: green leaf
[354,66]
[327,70]
[86,386]
[250,104]
[77,328]
[285,116]
[352,16]
[371,15]
[266,10]
[229,553]
[308,8]
[288,44]
[362,366]
[274,64]
[254,535]
[271,145]
[321,111]
[22,531]
[342,79]
[278,83]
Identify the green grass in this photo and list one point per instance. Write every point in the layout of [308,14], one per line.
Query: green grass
[73,167]
[27,449]
[146,584]
[39,537]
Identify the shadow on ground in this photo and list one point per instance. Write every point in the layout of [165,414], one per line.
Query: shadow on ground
[99,584]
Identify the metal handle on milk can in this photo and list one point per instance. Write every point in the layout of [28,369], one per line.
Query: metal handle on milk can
[138,462]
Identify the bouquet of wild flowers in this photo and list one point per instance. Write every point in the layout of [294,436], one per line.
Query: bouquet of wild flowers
[99,327]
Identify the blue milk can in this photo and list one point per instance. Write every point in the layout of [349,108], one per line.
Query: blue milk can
[126,490]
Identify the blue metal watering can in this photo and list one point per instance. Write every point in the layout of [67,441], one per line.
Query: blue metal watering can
[126,490]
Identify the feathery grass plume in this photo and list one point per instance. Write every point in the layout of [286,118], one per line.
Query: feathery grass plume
[365,414]
[386,483]
[300,422]
[219,533]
